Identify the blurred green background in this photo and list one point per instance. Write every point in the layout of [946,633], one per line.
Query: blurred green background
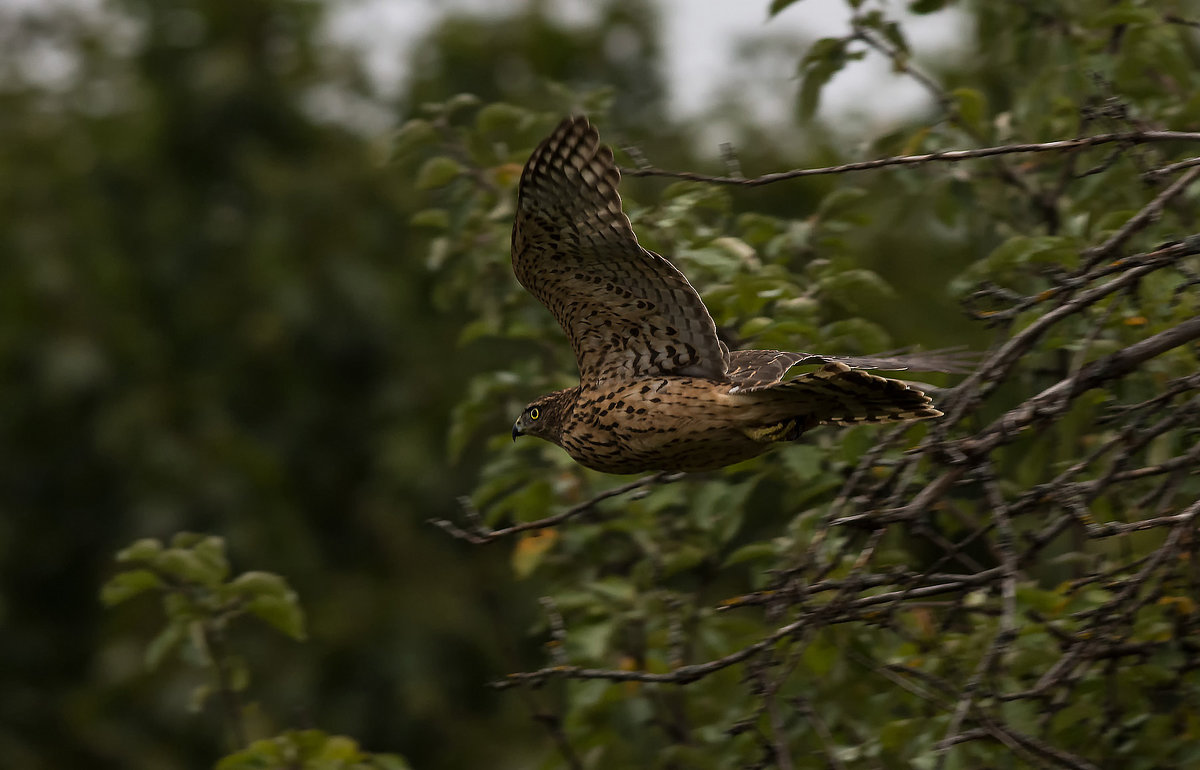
[214,317]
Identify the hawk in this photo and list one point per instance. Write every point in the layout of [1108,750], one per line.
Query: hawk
[658,390]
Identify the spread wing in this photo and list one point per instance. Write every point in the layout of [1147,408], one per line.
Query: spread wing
[627,311]
[757,369]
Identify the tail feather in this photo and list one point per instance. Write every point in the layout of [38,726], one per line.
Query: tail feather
[835,394]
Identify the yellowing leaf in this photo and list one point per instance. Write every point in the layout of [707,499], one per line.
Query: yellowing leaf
[914,143]
[530,550]
[1184,605]
[507,174]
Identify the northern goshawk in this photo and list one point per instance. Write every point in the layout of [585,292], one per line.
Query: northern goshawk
[658,390]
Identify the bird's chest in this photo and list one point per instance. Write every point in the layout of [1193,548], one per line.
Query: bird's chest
[628,409]
[626,427]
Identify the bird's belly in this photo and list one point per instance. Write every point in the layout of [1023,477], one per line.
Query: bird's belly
[672,424]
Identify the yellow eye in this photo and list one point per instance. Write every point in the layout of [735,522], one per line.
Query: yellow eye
[534,413]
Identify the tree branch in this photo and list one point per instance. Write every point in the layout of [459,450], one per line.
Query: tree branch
[482,534]
[949,156]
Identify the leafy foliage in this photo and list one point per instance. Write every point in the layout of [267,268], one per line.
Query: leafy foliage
[230,305]
[309,750]
[200,602]
[1014,588]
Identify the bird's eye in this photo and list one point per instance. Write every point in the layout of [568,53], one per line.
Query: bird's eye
[534,413]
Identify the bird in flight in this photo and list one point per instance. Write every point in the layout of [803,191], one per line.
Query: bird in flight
[658,390]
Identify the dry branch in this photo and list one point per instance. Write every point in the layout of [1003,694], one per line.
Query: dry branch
[948,156]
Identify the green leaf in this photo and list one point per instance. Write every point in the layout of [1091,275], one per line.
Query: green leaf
[309,750]
[438,172]
[211,552]
[971,105]
[197,651]
[683,558]
[895,35]
[532,501]
[754,326]
[751,552]
[838,201]
[802,461]
[857,290]
[1123,13]
[481,327]
[1111,221]
[720,507]
[614,589]
[126,585]
[1008,262]
[1021,714]
[498,117]
[187,539]
[718,261]
[1076,711]
[590,641]
[825,59]
[821,655]
[167,641]
[854,443]
[255,585]
[436,218]
[340,748]
[921,7]
[282,613]
[897,735]
[855,335]
[1046,602]
[141,550]
[189,567]
[737,248]
[461,102]
[662,498]
[759,229]
[412,135]
[259,755]
[779,5]
[302,749]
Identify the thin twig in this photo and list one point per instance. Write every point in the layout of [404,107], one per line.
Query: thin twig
[1149,213]
[948,156]
[482,535]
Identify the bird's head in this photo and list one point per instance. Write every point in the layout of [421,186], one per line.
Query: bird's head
[544,417]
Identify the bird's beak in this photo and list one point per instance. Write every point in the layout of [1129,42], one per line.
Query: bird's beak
[516,431]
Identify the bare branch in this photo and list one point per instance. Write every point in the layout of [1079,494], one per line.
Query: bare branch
[949,156]
[483,535]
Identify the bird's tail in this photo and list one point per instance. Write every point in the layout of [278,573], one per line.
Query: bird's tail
[835,394]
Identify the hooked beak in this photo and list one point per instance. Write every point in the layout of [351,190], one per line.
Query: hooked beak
[516,431]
